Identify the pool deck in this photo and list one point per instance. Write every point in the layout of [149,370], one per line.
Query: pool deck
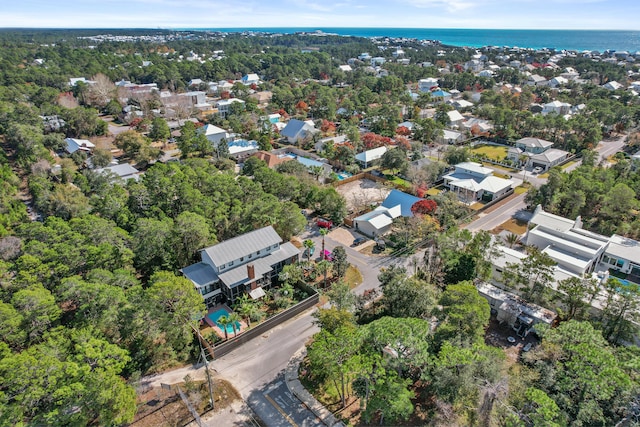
[217,328]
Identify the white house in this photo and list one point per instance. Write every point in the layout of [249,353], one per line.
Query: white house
[250,79]
[558,81]
[455,118]
[224,105]
[297,130]
[613,85]
[556,107]
[215,134]
[369,156]
[378,222]
[425,85]
[536,80]
[473,182]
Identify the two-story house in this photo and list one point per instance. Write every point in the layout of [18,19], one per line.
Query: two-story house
[248,263]
[537,153]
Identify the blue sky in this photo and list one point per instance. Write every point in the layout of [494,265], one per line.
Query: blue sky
[530,14]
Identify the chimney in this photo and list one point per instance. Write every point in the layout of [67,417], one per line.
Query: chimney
[251,272]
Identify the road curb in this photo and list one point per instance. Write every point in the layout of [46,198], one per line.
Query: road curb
[295,387]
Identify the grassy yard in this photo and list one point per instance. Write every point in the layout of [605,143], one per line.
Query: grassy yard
[514,226]
[433,191]
[566,165]
[353,276]
[495,152]
[520,189]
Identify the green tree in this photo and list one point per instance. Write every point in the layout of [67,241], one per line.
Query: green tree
[309,245]
[396,160]
[136,147]
[464,315]
[39,308]
[159,130]
[575,294]
[340,263]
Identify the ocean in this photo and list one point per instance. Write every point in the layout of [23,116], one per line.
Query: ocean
[579,40]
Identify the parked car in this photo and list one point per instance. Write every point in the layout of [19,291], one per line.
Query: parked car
[358,241]
[324,223]
[537,170]
[527,347]
[308,252]
[327,255]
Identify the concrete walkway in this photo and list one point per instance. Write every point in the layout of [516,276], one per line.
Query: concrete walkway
[295,386]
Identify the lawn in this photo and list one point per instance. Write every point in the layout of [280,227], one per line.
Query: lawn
[495,152]
[514,226]
[566,165]
[520,189]
[433,191]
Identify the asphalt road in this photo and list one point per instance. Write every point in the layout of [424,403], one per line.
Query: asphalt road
[489,221]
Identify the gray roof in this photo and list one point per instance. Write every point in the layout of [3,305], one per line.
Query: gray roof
[123,170]
[534,142]
[261,266]
[624,248]
[238,247]
[200,274]
[294,127]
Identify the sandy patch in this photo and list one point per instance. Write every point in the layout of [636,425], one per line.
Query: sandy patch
[362,193]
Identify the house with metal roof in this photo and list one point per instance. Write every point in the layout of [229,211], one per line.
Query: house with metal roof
[366,158]
[472,182]
[248,263]
[378,222]
[74,145]
[297,130]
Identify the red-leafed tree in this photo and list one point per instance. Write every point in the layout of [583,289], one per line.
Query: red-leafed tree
[403,143]
[424,207]
[328,128]
[225,94]
[301,105]
[372,140]
[403,130]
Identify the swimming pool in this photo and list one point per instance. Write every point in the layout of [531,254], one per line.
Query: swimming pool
[216,315]
[344,175]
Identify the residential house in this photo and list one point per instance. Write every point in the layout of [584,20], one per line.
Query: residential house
[519,314]
[623,255]
[224,105]
[558,81]
[248,263]
[613,85]
[250,79]
[455,118]
[440,96]
[461,104]
[345,68]
[575,250]
[296,131]
[536,80]
[74,145]
[378,222]
[215,134]
[473,182]
[364,57]
[425,85]
[263,98]
[195,82]
[366,158]
[556,107]
[272,159]
[242,148]
[449,136]
[122,171]
[548,159]
[533,145]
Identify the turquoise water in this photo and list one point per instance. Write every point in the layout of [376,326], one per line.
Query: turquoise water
[217,315]
[343,175]
[600,40]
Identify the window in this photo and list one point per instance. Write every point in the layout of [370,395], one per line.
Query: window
[620,263]
[250,255]
[258,253]
[241,258]
[499,270]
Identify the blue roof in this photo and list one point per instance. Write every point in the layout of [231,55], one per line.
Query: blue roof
[309,162]
[405,200]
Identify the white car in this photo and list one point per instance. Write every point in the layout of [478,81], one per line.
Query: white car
[536,170]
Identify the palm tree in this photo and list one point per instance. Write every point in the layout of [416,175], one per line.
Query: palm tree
[245,307]
[323,232]
[224,321]
[323,266]
[234,318]
[309,245]
[512,239]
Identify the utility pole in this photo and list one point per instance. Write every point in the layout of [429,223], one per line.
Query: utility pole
[206,367]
